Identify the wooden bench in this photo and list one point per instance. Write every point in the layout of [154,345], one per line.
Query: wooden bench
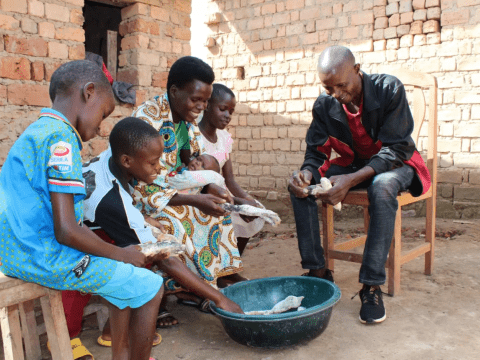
[17,320]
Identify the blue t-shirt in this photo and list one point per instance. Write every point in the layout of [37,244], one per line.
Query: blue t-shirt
[45,158]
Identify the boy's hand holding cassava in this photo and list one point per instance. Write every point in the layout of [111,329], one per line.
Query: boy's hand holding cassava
[131,255]
[208,204]
[216,190]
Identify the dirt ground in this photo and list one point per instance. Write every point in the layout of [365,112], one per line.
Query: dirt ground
[434,317]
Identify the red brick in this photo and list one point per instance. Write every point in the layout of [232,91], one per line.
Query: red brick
[160,79]
[362,18]
[15,68]
[416,28]
[350,32]
[76,52]
[160,14]
[33,47]
[128,75]
[135,42]
[70,33]
[57,50]
[26,94]
[431,26]
[139,25]
[38,71]
[76,17]
[379,11]
[46,29]
[18,6]
[182,34]
[420,15]
[390,33]
[105,128]
[418,4]
[97,146]
[433,3]
[8,22]
[133,10]
[183,6]
[381,23]
[295,4]
[162,45]
[50,69]
[3,95]
[36,8]
[2,43]
[378,34]
[57,12]
[455,17]
[394,20]
[433,13]
[462,3]
[406,18]
[403,30]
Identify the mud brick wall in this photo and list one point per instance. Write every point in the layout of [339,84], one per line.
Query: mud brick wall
[37,36]
[266,51]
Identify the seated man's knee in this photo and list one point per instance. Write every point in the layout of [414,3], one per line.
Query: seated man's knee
[384,186]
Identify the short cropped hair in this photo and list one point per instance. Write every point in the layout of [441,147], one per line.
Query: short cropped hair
[78,72]
[189,68]
[220,90]
[130,135]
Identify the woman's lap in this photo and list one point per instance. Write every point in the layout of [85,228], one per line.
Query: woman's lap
[211,246]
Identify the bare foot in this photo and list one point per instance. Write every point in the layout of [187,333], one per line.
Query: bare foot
[165,319]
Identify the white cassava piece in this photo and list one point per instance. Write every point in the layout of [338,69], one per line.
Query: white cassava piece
[290,302]
[322,188]
[269,216]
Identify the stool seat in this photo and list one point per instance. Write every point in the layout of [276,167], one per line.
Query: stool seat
[17,320]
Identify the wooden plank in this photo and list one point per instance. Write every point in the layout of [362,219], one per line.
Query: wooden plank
[357,197]
[21,293]
[414,78]
[346,256]
[57,331]
[414,253]
[112,50]
[394,256]
[351,244]
[11,333]
[328,234]
[406,198]
[29,331]
[8,282]
[366,219]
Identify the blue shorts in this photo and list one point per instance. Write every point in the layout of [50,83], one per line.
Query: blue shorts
[131,286]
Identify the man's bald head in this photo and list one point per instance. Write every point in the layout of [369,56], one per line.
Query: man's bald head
[334,58]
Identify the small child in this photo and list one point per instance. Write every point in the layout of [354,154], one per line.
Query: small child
[200,171]
[41,208]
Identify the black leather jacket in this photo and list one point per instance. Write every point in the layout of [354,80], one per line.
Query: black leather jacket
[386,117]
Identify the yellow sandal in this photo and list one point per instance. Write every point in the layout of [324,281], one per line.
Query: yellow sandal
[78,349]
[108,343]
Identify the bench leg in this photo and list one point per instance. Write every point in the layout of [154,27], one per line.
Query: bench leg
[29,331]
[328,234]
[56,325]
[394,256]
[11,333]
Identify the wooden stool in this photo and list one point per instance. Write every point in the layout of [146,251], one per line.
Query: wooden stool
[16,302]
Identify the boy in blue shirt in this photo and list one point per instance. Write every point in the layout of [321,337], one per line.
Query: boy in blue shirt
[41,208]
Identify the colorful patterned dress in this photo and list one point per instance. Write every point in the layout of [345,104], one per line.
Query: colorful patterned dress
[210,241]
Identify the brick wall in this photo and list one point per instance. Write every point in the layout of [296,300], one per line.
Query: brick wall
[266,51]
[37,36]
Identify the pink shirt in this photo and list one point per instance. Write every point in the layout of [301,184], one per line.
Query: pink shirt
[222,148]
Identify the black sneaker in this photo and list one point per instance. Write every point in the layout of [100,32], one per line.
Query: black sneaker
[328,275]
[372,310]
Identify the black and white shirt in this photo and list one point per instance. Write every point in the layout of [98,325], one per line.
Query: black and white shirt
[110,206]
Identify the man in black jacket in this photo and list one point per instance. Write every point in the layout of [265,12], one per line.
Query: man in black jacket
[366,120]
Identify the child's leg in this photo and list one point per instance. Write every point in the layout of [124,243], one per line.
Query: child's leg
[142,328]
[119,319]
[132,330]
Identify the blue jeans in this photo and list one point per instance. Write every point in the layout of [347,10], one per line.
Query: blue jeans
[382,194]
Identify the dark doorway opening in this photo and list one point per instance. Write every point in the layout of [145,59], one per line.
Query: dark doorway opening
[100,21]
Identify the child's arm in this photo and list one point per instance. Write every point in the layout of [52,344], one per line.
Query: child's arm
[233,186]
[69,233]
[185,156]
